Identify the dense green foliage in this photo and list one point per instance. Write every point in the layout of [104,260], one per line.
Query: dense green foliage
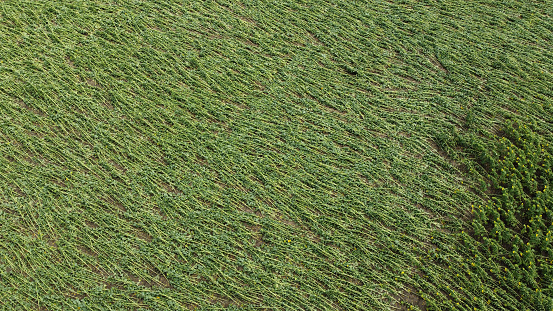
[507,253]
[318,155]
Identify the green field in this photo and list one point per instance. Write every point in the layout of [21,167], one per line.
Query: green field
[276,155]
